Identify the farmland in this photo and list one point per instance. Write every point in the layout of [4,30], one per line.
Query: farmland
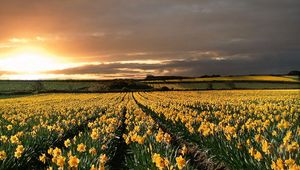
[228,82]
[17,87]
[236,129]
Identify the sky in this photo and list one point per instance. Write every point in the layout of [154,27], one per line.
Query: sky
[97,39]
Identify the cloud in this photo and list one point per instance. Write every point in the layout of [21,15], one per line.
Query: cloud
[242,36]
[223,65]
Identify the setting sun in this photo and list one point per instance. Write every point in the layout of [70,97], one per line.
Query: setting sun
[30,60]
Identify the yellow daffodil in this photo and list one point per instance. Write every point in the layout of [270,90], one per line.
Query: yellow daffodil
[73,162]
[81,147]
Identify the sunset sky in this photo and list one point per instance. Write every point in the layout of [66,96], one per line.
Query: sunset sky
[97,39]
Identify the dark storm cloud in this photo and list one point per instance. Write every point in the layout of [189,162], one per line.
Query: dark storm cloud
[226,65]
[109,69]
[260,36]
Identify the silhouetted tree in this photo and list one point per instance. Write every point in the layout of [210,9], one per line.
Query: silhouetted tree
[37,86]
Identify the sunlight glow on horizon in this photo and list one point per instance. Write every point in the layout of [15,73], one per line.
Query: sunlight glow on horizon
[66,77]
[31,62]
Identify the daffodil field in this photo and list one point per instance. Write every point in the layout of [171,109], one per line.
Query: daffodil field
[234,129]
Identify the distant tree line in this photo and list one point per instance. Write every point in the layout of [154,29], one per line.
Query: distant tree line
[152,77]
[294,73]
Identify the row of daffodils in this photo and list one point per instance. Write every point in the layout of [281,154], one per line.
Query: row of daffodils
[244,129]
[30,125]
[90,149]
[150,147]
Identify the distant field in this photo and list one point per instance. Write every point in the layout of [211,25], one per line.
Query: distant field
[7,86]
[236,82]
[234,78]
[226,85]
[28,86]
